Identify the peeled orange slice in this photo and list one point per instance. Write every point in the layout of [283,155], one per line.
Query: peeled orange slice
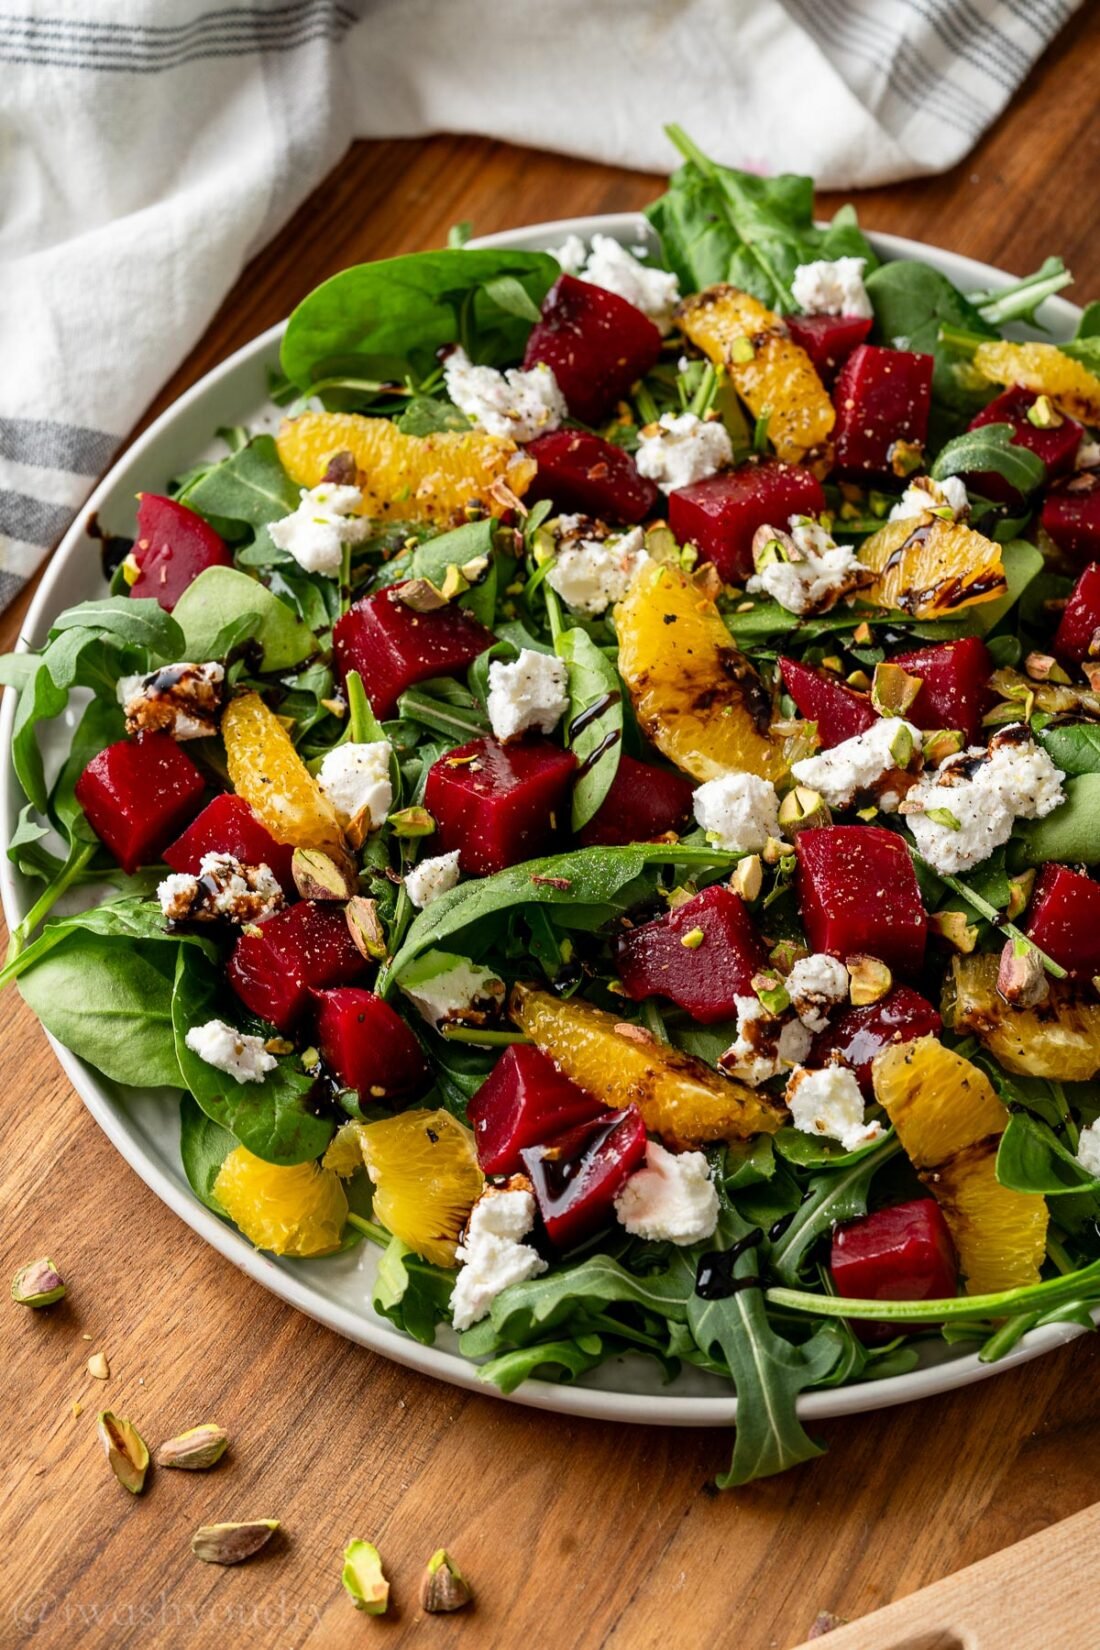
[269,774]
[289,1211]
[426,1179]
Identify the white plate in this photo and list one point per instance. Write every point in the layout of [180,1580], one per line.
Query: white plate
[144,1124]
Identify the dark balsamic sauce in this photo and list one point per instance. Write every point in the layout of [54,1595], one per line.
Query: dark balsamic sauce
[714,1279]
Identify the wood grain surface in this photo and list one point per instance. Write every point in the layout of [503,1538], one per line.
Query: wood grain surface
[573,1533]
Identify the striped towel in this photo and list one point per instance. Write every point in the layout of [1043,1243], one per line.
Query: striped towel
[148,148]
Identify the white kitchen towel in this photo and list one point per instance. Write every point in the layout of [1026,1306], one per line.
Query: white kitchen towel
[149,147]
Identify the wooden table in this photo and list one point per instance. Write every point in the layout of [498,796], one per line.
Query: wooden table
[574,1533]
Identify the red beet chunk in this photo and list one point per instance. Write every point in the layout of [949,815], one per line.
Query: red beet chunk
[643,804]
[1078,635]
[1057,447]
[596,344]
[955,690]
[228,826]
[306,947]
[858,1034]
[903,1253]
[173,546]
[583,472]
[829,339]
[578,1173]
[881,396]
[137,794]
[367,1045]
[1064,920]
[858,892]
[499,804]
[839,711]
[721,514]
[525,1101]
[704,979]
[1071,515]
[392,647]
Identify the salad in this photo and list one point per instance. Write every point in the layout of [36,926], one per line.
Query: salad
[603,804]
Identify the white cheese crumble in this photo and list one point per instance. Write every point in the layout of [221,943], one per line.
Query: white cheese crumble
[183,700]
[815,985]
[738,811]
[356,780]
[515,404]
[223,888]
[765,1046]
[317,531]
[947,498]
[965,809]
[590,574]
[571,254]
[681,448]
[1088,455]
[227,1049]
[492,1253]
[654,291]
[445,987]
[830,1103]
[533,692]
[671,1200]
[840,773]
[832,286]
[430,878]
[1088,1149]
[814,572]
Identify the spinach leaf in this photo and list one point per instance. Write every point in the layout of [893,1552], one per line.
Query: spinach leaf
[388,319]
[110,1004]
[204,1147]
[833,1195]
[424,415]
[1031,1158]
[102,723]
[249,486]
[221,597]
[411,1292]
[912,302]
[126,920]
[991,447]
[272,1119]
[128,620]
[1071,834]
[596,704]
[1073,746]
[549,1360]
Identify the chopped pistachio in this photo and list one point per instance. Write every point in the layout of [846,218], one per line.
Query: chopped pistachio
[232,1543]
[774,850]
[944,817]
[693,939]
[196,1449]
[412,822]
[860,680]
[1019,887]
[862,633]
[363,1579]
[901,746]
[39,1283]
[318,875]
[680,895]
[937,747]
[803,809]
[1044,667]
[870,980]
[893,689]
[747,877]
[742,351]
[905,457]
[772,993]
[125,1450]
[422,596]
[1021,977]
[444,1587]
[1043,414]
[785,953]
[833,661]
[867,814]
[953,927]
[98,1368]
[365,927]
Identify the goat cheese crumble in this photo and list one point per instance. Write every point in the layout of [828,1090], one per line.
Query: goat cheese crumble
[516,404]
[1088,1149]
[183,700]
[681,448]
[829,1102]
[223,888]
[611,266]
[766,1045]
[590,574]
[492,1253]
[671,1200]
[947,498]
[226,1049]
[316,532]
[815,985]
[840,773]
[356,780]
[832,286]
[430,878]
[447,989]
[962,812]
[738,811]
[533,692]
[804,570]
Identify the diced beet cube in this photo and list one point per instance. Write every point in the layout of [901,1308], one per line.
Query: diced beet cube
[583,472]
[1071,515]
[577,1174]
[137,794]
[173,546]
[1078,635]
[367,1045]
[1064,920]
[499,804]
[858,892]
[881,396]
[304,948]
[829,339]
[839,711]
[642,804]
[903,1253]
[524,1101]
[857,1035]
[1056,446]
[955,685]
[596,344]
[703,977]
[721,514]
[392,647]
[228,826]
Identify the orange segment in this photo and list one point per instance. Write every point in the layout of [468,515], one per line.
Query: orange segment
[289,1211]
[1044,369]
[426,1179]
[408,477]
[930,566]
[680,1097]
[696,695]
[269,774]
[1060,1039]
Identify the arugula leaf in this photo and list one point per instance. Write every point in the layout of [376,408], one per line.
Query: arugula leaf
[1071,834]
[204,1147]
[524,1310]
[1031,1158]
[1073,746]
[250,486]
[831,1196]
[411,1292]
[991,447]
[1021,300]
[221,597]
[593,683]
[912,302]
[558,1360]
